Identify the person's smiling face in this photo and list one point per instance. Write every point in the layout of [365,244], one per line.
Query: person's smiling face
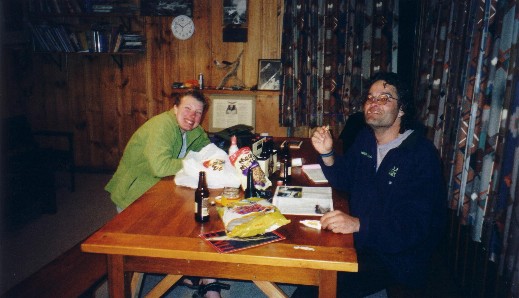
[381,107]
[189,113]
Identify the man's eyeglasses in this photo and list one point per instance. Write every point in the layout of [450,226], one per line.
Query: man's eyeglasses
[382,99]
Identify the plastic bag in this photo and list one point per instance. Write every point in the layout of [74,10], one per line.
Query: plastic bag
[215,162]
[243,160]
[251,217]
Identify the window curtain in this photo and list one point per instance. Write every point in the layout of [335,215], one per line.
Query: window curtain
[469,90]
[329,50]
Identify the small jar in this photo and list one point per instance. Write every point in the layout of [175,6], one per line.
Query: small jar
[230,195]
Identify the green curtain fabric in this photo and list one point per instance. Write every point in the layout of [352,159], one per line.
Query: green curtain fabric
[329,50]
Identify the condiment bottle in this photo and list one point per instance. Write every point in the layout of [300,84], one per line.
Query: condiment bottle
[202,199]
[201,81]
[234,147]
[285,165]
[250,191]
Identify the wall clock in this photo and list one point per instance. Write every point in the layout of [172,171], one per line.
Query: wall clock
[182,27]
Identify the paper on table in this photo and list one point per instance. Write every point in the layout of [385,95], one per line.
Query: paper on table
[315,173]
[293,144]
[303,200]
[311,223]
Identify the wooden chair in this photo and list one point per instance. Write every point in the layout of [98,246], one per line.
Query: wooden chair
[29,167]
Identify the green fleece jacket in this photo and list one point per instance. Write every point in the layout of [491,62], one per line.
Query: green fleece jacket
[151,153]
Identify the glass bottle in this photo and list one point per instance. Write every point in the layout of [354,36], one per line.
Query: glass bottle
[202,199]
[234,145]
[264,158]
[285,165]
[273,155]
[201,81]
[250,191]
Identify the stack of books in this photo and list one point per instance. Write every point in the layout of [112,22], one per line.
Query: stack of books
[128,42]
[99,39]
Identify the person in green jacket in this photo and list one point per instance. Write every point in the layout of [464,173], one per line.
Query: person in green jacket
[156,149]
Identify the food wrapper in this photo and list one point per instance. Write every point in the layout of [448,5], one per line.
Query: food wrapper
[251,217]
[214,162]
[244,161]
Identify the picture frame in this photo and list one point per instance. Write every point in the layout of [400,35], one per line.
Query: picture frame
[234,21]
[269,74]
[167,7]
[235,13]
[228,110]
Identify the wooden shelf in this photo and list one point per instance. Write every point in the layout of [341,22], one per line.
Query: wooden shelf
[232,92]
[85,15]
[125,53]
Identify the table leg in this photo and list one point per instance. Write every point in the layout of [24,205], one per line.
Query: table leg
[163,286]
[270,289]
[328,284]
[117,287]
[136,284]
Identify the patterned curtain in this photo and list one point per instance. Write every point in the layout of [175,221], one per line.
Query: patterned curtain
[329,49]
[468,86]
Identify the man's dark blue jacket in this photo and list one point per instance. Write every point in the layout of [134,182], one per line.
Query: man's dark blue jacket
[401,207]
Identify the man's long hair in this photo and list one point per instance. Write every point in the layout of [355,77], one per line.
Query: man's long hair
[405,100]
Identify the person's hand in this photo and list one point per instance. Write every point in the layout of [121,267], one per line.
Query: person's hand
[340,222]
[322,140]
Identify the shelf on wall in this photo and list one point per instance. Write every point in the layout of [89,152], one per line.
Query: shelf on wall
[236,92]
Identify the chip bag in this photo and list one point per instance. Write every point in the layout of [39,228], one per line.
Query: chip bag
[243,160]
[251,217]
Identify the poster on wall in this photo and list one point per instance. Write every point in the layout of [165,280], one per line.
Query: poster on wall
[167,7]
[235,20]
[229,110]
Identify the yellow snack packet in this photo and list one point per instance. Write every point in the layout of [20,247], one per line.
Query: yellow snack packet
[251,217]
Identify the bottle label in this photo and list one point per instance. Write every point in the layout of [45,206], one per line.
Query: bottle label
[282,172]
[205,210]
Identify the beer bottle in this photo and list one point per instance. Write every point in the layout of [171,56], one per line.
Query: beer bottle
[250,191]
[285,165]
[202,199]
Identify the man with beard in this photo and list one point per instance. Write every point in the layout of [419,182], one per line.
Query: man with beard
[397,196]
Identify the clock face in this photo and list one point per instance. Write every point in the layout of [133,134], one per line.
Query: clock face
[182,27]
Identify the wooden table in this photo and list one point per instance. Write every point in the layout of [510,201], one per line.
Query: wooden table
[158,234]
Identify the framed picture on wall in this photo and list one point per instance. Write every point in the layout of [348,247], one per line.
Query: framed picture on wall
[234,21]
[167,7]
[269,74]
[229,110]
[235,13]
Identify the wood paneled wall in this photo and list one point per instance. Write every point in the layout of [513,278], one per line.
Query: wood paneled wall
[103,104]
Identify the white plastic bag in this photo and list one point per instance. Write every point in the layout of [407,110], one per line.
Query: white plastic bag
[219,171]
